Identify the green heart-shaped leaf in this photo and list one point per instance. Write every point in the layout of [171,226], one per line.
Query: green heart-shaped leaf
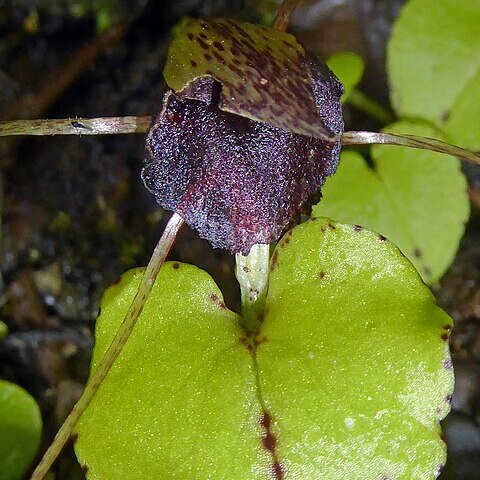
[418,199]
[20,430]
[434,66]
[347,378]
[353,356]
[181,397]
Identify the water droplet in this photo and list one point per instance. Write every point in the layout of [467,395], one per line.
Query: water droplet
[349,422]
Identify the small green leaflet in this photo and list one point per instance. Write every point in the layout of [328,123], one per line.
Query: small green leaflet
[20,430]
[418,199]
[433,63]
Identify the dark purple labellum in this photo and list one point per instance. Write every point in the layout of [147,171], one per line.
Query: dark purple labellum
[237,181]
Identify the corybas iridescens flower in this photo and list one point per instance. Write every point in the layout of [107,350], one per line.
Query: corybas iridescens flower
[247,135]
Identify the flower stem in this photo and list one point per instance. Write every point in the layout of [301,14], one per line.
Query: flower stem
[252,275]
[411,141]
[284,13]
[76,126]
[158,258]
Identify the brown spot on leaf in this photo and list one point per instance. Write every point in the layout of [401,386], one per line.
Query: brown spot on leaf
[444,336]
[216,299]
[260,339]
[447,327]
[321,275]
[274,261]
[176,266]
[193,63]
[358,228]
[278,472]
[448,399]
[382,238]
[269,442]
[266,421]
[417,252]
[245,342]
[284,242]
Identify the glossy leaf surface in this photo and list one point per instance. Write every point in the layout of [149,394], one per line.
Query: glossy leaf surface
[418,199]
[20,430]
[347,377]
[434,66]
[353,365]
[180,402]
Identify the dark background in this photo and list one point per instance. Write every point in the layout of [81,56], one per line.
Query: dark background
[75,214]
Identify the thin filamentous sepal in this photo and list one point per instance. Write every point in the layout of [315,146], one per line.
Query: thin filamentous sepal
[125,125]
[410,141]
[150,274]
[76,126]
